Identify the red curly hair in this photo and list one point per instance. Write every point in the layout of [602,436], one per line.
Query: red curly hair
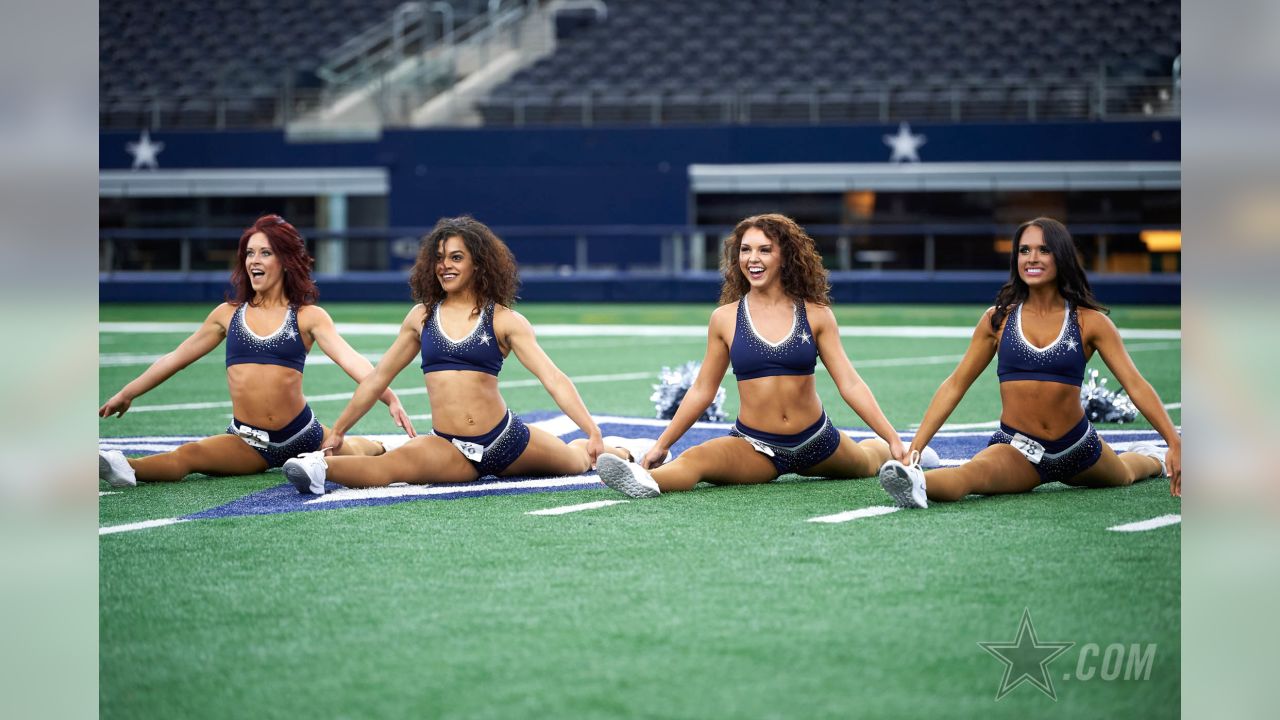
[803,276]
[290,249]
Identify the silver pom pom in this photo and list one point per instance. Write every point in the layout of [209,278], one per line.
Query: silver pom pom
[1103,405]
[673,384]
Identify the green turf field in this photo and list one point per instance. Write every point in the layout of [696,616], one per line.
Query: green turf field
[723,602]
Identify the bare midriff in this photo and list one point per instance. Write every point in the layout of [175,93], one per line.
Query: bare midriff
[265,396]
[464,402]
[1044,409]
[782,404]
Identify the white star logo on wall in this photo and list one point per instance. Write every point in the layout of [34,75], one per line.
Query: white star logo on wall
[144,152]
[905,145]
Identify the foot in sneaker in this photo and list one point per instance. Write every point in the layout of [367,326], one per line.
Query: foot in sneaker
[1153,452]
[627,478]
[307,472]
[904,483]
[637,447]
[929,458]
[113,468]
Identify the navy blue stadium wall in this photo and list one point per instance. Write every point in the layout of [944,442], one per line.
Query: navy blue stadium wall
[627,176]
[622,176]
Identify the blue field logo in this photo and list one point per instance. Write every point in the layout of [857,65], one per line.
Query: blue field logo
[953,447]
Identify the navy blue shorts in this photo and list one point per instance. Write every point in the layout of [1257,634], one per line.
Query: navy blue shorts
[1055,460]
[494,451]
[791,453]
[303,434]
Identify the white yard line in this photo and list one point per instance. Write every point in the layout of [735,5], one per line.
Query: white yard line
[108,492]
[866,512]
[1144,525]
[397,491]
[112,529]
[564,509]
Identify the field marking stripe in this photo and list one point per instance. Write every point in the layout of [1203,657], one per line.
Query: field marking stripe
[570,330]
[575,508]
[1152,524]
[112,529]
[397,491]
[108,492]
[873,511]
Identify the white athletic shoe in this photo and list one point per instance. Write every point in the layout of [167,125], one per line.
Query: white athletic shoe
[113,468]
[627,478]
[1151,451]
[904,483]
[636,446]
[307,472]
[929,458]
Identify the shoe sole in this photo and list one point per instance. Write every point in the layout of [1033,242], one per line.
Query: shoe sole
[615,473]
[299,478]
[109,474]
[897,483]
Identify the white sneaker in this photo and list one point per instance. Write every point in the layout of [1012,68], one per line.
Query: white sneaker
[1151,451]
[929,458]
[904,483]
[113,468]
[636,446]
[627,478]
[307,472]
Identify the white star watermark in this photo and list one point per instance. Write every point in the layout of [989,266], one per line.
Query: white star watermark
[905,145]
[144,152]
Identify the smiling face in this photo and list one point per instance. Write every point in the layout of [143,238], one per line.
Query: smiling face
[1035,261]
[261,264]
[759,259]
[455,270]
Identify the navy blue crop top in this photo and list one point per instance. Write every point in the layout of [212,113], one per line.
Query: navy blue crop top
[283,347]
[754,357]
[478,351]
[1062,361]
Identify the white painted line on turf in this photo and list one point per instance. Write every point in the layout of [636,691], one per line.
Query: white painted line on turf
[108,492]
[866,512]
[575,508]
[1152,524]
[112,529]
[664,331]
[397,491]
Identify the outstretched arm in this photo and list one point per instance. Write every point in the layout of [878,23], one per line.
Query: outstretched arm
[326,335]
[397,357]
[982,347]
[193,348]
[518,335]
[1105,338]
[855,392]
[699,396]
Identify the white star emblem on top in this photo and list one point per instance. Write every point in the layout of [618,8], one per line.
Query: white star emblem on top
[484,338]
[290,334]
[905,145]
[804,337]
[144,152]
[1071,344]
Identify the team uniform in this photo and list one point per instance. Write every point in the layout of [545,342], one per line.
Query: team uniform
[491,452]
[796,354]
[1062,361]
[283,347]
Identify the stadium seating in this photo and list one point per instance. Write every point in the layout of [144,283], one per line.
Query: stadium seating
[227,63]
[707,61]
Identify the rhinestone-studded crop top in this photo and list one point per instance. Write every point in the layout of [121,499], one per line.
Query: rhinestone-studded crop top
[1062,361]
[283,347]
[754,357]
[478,351]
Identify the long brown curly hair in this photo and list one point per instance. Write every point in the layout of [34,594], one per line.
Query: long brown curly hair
[803,276]
[496,277]
[290,249]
